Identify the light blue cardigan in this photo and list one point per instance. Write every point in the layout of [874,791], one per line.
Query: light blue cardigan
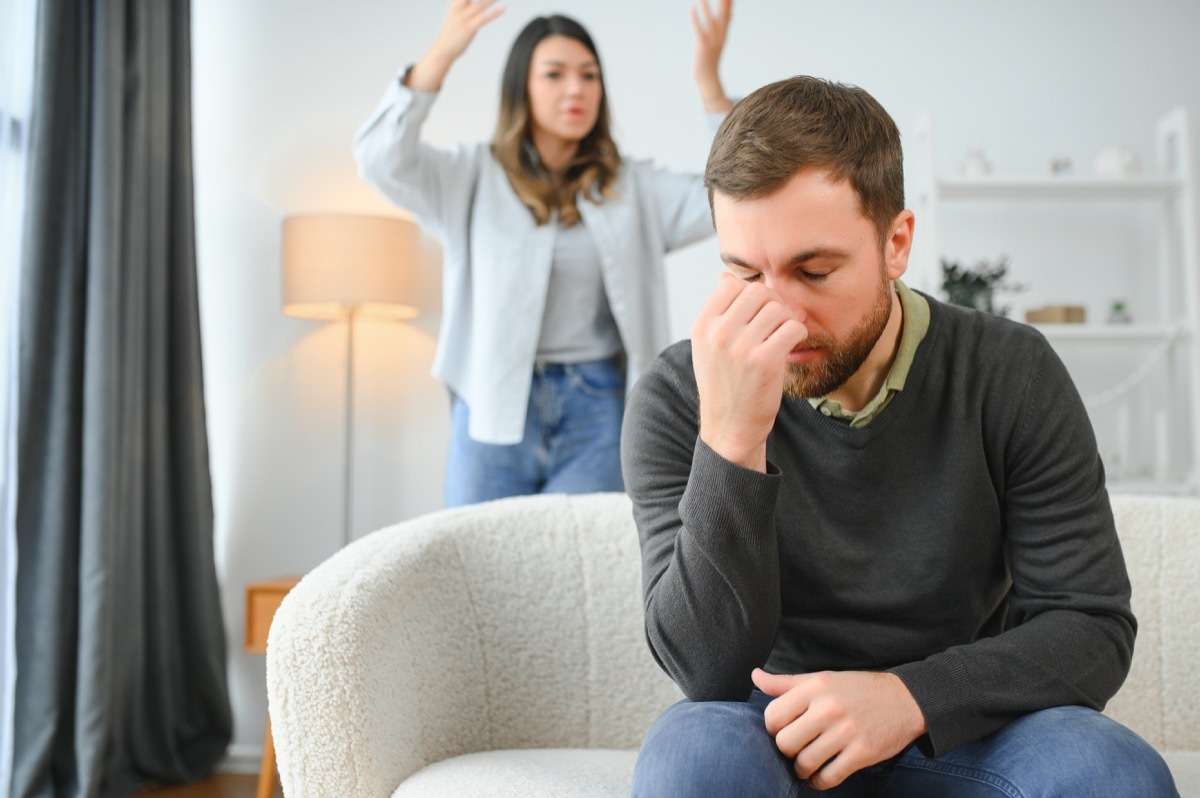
[497,260]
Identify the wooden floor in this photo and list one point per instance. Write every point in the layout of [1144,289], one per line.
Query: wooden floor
[219,786]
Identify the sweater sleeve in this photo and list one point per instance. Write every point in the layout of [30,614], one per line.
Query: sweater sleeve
[433,183]
[1069,633]
[682,204]
[682,200]
[709,556]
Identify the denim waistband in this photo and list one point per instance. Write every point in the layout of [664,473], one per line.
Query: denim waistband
[552,368]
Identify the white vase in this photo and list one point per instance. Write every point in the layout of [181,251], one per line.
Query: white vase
[1117,161]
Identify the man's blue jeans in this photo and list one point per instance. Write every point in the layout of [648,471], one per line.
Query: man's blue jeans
[722,749]
[571,444]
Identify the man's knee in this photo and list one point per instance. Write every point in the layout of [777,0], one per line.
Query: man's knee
[710,749]
[1055,752]
[1093,749]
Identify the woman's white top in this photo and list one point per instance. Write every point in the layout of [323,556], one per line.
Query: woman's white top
[497,259]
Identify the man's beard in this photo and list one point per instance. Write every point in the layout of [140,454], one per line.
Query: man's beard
[821,377]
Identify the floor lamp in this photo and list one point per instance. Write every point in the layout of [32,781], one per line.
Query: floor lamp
[340,267]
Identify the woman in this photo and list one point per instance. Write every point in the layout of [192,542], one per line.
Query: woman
[553,295]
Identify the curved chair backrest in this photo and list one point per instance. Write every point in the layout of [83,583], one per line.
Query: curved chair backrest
[518,624]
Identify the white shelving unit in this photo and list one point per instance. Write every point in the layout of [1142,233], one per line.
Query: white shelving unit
[1167,339]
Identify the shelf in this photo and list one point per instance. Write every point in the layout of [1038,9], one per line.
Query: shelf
[1059,188]
[1111,332]
[1166,339]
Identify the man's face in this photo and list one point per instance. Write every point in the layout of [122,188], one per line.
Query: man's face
[810,243]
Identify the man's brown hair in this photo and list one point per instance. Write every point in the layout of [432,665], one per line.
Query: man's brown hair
[804,122]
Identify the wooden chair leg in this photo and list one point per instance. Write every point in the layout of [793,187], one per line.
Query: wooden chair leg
[266,770]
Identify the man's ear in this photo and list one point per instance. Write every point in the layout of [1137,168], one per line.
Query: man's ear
[898,244]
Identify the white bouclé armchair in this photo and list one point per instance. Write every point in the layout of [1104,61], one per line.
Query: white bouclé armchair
[497,650]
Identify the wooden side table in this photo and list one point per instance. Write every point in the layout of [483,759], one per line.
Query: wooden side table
[262,599]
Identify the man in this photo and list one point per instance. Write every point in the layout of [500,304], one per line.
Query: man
[878,552]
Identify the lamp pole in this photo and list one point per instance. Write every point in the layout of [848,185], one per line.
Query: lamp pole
[337,267]
[348,429]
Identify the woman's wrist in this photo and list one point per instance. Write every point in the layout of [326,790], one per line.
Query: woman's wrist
[429,72]
[713,97]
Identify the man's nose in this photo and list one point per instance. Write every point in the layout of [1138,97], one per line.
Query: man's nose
[793,296]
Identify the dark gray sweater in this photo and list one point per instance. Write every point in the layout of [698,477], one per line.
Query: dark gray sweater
[962,540]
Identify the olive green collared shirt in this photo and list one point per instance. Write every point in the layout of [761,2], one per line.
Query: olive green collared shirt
[916,323]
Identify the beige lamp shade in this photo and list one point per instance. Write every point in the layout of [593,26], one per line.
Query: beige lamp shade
[336,264]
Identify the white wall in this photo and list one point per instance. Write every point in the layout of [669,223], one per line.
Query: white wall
[281,85]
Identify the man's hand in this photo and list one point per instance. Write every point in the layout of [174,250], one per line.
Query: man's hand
[833,724]
[740,343]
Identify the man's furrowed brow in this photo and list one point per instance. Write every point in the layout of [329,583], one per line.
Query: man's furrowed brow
[816,253]
[730,259]
[799,259]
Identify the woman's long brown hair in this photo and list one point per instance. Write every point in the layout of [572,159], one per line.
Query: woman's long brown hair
[593,170]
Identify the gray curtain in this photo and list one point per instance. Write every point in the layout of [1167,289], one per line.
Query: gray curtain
[120,646]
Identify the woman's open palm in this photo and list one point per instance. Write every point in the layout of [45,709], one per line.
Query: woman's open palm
[463,20]
[710,27]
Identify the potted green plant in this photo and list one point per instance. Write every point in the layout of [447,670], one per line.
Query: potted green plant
[976,286]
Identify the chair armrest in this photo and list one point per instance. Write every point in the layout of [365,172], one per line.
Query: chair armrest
[363,686]
[1160,540]
[510,624]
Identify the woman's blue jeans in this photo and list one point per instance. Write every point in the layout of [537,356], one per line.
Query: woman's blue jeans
[722,749]
[571,444]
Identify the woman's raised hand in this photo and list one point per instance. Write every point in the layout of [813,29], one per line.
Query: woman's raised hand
[711,28]
[463,20]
